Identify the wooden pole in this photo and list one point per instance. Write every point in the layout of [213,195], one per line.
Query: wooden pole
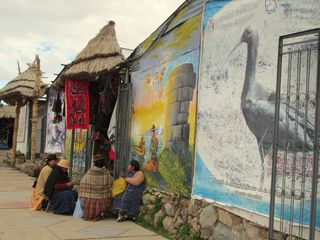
[35,111]
[15,134]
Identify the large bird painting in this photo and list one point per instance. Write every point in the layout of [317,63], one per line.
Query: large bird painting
[258,108]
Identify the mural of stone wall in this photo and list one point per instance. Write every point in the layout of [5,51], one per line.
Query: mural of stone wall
[179,93]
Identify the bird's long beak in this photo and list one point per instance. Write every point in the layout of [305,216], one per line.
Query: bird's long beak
[238,44]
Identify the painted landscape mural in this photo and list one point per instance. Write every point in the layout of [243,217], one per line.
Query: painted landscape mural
[164,106]
[236,102]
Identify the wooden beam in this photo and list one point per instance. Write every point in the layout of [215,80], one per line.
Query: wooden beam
[15,134]
[35,112]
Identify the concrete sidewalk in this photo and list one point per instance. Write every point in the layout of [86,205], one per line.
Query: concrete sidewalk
[18,222]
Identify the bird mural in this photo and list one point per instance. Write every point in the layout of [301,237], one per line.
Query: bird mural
[258,108]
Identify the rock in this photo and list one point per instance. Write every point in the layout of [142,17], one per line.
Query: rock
[147,218]
[185,203]
[157,194]
[237,227]
[280,235]
[146,199]
[158,217]
[168,225]
[195,226]
[225,217]
[142,209]
[178,222]
[208,217]
[152,199]
[204,204]
[205,233]
[193,210]
[150,207]
[223,232]
[254,232]
[170,211]
[184,215]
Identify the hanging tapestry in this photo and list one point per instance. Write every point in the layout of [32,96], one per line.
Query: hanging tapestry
[77,100]
[55,132]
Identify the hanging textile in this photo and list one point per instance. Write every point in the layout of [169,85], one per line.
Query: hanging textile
[55,129]
[77,101]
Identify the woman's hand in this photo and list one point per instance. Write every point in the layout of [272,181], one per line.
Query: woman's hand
[121,174]
[69,184]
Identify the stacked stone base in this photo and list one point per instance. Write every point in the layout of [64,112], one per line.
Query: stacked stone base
[203,220]
[32,169]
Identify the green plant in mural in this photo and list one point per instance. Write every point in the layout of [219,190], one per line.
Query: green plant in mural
[172,172]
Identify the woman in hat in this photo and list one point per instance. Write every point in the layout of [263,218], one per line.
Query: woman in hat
[58,189]
[39,199]
[128,203]
[95,190]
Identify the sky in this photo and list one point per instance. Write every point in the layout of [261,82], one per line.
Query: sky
[58,30]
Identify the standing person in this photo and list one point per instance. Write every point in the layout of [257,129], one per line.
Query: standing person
[153,148]
[38,199]
[128,203]
[95,190]
[58,189]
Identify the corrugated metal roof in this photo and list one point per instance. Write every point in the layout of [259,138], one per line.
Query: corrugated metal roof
[186,11]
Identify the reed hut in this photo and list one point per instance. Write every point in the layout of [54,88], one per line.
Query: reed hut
[27,86]
[101,55]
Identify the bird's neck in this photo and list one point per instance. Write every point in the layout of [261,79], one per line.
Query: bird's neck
[250,75]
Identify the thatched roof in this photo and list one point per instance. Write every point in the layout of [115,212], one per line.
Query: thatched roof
[22,87]
[101,54]
[7,111]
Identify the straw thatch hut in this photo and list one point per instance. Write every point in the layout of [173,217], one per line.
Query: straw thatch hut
[27,86]
[101,55]
[22,87]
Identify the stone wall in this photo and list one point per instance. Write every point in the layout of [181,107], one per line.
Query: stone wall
[32,169]
[202,219]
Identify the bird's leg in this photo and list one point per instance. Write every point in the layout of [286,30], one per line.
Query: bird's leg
[261,151]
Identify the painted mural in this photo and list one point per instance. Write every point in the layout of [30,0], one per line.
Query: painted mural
[164,99]
[55,133]
[236,100]
[67,146]
[79,154]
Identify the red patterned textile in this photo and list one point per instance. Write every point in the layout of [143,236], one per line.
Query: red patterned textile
[77,104]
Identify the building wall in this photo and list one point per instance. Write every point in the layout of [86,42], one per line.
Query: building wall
[228,165]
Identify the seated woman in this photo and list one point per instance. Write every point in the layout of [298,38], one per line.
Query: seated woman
[39,199]
[95,190]
[128,203]
[58,189]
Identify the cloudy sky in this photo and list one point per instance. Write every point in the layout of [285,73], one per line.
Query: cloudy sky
[57,29]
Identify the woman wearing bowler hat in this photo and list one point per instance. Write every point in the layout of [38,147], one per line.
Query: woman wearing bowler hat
[58,189]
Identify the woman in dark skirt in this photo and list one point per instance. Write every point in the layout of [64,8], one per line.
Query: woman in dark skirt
[58,189]
[128,203]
